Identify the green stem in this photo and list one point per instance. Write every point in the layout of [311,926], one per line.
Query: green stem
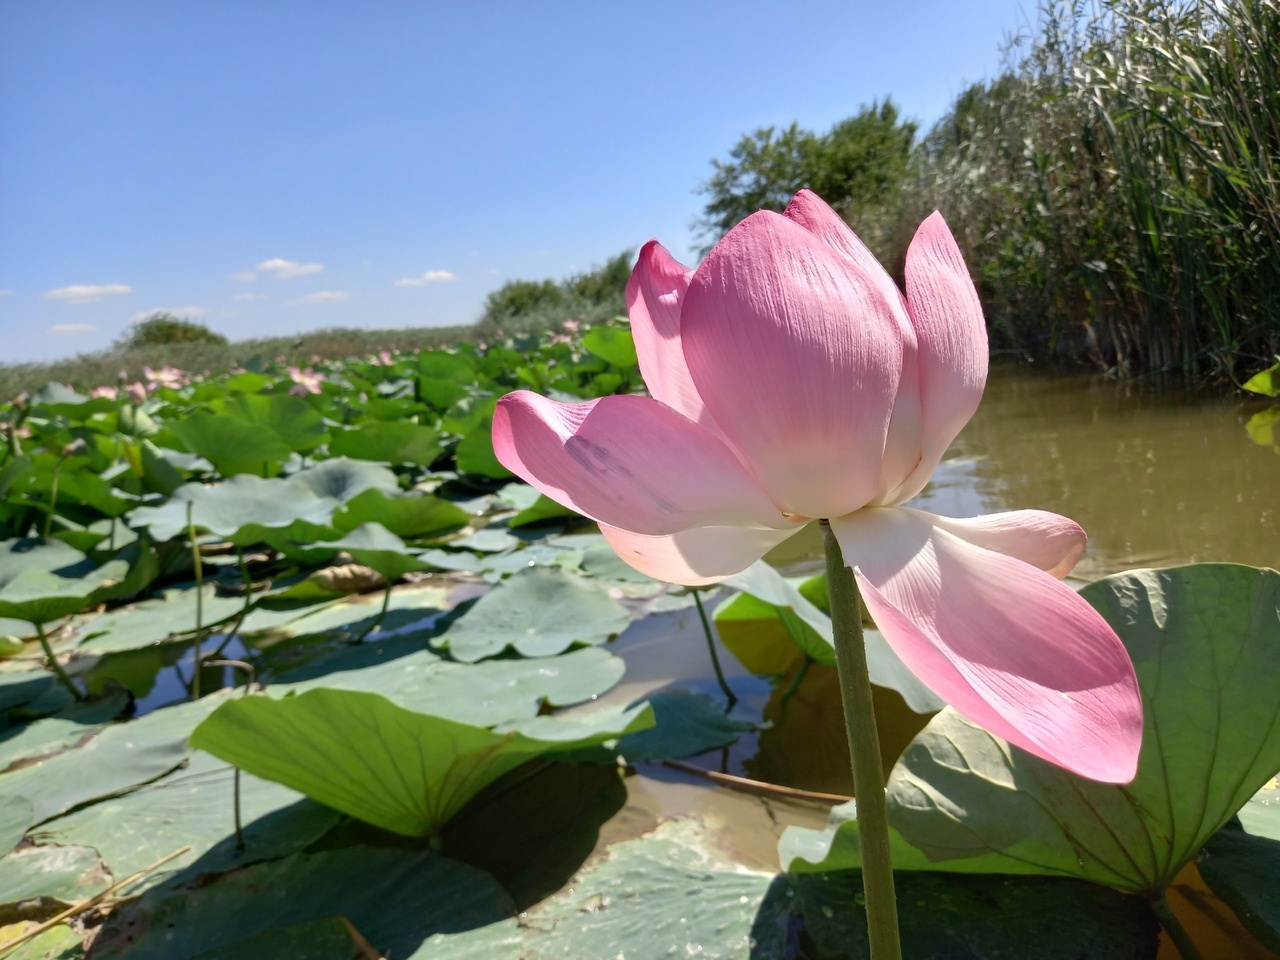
[864,750]
[53,498]
[195,559]
[386,601]
[1174,928]
[57,667]
[711,646]
[797,678]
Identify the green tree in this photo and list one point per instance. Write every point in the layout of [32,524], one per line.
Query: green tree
[160,329]
[858,167]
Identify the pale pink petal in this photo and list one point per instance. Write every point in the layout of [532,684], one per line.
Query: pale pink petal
[797,356]
[1003,642]
[902,447]
[655,293]
[627,461]
[1045,540]
[697,556]
[951,339]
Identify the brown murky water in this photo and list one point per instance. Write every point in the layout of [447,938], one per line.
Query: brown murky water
[1156,478]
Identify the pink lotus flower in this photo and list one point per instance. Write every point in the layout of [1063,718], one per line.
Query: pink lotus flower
[136,392]
[108,392]
[166,376]
[305,381]
[791,380]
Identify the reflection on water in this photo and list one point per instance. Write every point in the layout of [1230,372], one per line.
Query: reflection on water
[1155,478]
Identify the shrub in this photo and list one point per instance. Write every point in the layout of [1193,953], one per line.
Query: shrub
[160,329]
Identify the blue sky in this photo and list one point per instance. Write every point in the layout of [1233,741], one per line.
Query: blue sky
[273,168]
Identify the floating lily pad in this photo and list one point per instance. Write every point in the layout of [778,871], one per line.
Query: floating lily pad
[195,806]
[67,873]
[391,442]
[150,621]
[31,553]
[360,753]
[543,508]
[238,509]
[375,546]
[685,724]
[232,446]
[54,734]
[413,517]
[484,694]
[343,480]
[395,898]
[539,612]
[39,596]
[1205,641]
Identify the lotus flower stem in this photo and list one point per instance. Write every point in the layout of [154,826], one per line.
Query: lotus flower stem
[864,751]
[195,559]
[797,678]
[53,498]
[377,622]
[1174,928]
[711,646]
[55,665]
[248,685]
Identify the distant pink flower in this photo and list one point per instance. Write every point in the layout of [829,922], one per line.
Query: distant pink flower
[107,392]
[791,380]
[570,326]
[305,381]
[136,392]
[166,376]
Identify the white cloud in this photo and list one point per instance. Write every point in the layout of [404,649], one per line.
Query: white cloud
[250,296]
[242,276]
[187,312]
[6,293]
[321,296]
[283,269]
[431,276]
[87,292]
[71,329]
[494,272]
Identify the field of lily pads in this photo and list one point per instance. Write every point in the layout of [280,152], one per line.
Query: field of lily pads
[293,667]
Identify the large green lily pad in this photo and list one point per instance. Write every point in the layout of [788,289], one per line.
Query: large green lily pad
[394,443]
[540,612]
[395,898]
[39,596]
[364,755]
[238,509]
[1205,641]
[414,517]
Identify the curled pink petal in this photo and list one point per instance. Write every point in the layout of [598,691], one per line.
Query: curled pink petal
[1043,539]
[798,358]
[951,337]
[627,461]
[697,556]
[655,293]
[1003,642]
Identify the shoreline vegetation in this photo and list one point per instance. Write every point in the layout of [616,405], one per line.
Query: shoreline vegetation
[1116,190]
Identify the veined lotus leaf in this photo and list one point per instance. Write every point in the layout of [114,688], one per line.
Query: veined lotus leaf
[39,596]
[1241,869]
[360,753]
[343,480]
[810,629]
[64,729]
[120,757]
[238,509]
[539,554]
[395,898]
[31,553]
[1265,382]
[68,873]
[291,418]
[410,517]
[420,606]
[543,508]
[484,694]
[474,453]
[685,724]
[612,345]
[540,611]
[231,445]
[375,546]
[193,805]
[487,540]
[150,621]
[391,442]
[1205,641]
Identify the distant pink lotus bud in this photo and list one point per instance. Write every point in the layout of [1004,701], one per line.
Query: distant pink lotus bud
[792,380]
[137,392]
